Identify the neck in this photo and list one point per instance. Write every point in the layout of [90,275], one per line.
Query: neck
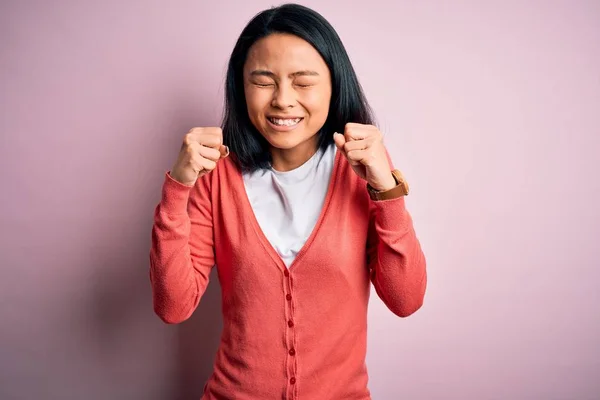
[289,159]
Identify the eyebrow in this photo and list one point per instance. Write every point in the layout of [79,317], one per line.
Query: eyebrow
[263,72]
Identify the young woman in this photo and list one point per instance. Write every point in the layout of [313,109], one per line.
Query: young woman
[296,202]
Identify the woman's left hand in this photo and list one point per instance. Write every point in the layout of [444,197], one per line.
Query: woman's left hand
[362,145]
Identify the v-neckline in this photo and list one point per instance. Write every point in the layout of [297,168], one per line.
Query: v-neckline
[260,233]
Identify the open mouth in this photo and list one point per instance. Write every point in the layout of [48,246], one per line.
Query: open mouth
[284,122]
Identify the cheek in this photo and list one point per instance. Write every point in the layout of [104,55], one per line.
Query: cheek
[317,103]
[255,102]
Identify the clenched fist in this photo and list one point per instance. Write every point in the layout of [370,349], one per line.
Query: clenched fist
[363,147]
[202,148]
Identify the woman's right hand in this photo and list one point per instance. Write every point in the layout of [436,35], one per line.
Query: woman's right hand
[202,148]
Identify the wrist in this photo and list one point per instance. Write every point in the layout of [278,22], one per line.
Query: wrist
[385,184]
[179,180]
[399,189]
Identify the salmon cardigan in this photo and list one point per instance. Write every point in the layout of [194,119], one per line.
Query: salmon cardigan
[297,333]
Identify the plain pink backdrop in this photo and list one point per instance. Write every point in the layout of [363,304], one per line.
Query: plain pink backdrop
[491,109]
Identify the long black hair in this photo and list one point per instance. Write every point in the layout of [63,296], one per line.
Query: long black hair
[348,103]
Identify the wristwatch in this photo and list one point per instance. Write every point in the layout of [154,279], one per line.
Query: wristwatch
[400,190]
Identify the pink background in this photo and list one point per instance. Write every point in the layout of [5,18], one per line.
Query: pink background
[491,108]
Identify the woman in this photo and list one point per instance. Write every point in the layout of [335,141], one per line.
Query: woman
[296,203]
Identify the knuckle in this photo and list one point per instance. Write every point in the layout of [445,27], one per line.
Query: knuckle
[204,140]
[218,133]
[210,139]
[214,131]
[193,132]
[189,150]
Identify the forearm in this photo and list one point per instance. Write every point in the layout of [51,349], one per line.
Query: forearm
[180,261]
[397,262]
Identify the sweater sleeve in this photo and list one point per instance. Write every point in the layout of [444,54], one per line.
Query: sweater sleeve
[182,251]
[395,257]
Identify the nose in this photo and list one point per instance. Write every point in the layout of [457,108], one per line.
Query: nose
[284,97]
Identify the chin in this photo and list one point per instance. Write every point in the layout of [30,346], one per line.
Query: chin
[284,143]
[285,140]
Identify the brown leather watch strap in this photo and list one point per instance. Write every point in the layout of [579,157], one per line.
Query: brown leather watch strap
[400,190]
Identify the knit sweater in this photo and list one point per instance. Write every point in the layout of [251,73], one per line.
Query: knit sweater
[297,333]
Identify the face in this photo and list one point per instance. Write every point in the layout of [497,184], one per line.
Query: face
[288,89]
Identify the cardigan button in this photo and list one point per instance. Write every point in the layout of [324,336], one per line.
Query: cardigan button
[290,323]
[288,297]
[292,351]
[286,273]
[292,380]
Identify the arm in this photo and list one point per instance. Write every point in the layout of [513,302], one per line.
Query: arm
[182,252]
[395,258]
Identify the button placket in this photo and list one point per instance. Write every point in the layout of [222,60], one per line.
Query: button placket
[290,335]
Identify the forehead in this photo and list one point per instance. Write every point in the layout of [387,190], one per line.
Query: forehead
[284,53]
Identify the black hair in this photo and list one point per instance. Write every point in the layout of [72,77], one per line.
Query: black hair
[348,103]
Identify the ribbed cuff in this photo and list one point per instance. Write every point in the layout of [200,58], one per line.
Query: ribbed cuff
[391,215]
[175,196]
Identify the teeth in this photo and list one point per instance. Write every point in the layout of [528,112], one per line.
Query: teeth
[285,122]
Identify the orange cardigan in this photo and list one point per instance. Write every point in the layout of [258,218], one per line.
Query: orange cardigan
[297,333]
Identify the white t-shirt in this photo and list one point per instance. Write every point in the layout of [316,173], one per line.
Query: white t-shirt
[287,204]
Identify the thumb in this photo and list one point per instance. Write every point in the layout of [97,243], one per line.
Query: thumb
[339,140]
[224,150]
